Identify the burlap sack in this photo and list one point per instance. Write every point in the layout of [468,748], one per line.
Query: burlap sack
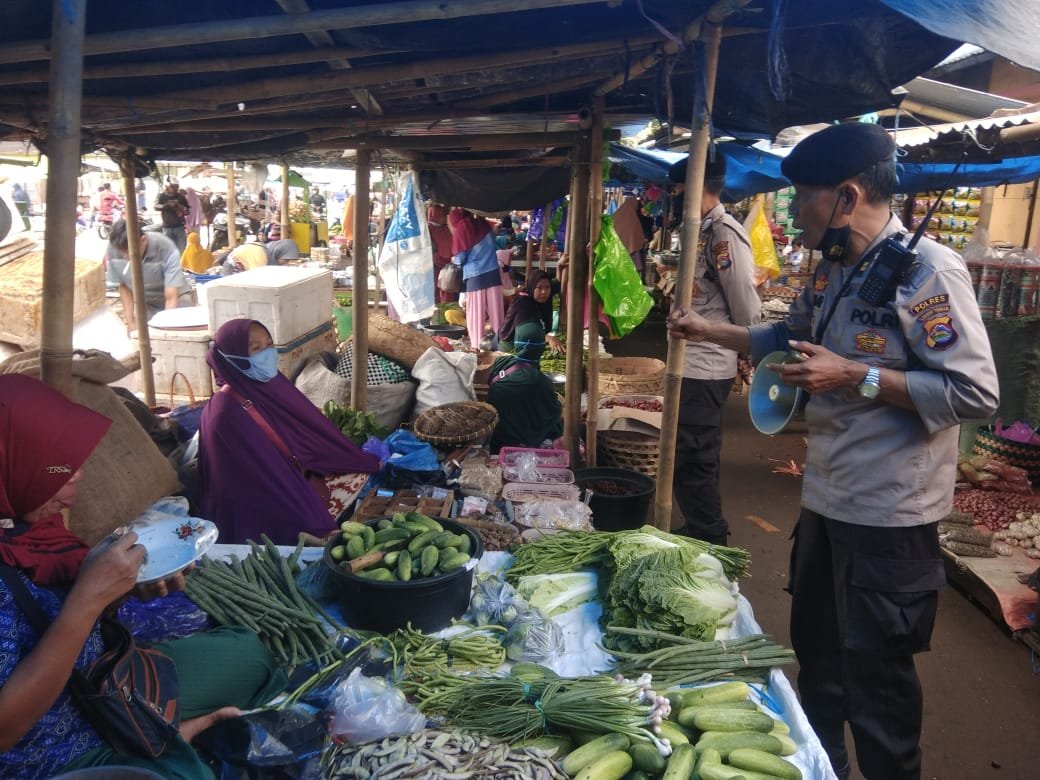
[127,472]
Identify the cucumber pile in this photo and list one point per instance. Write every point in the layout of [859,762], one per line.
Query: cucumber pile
[403,548]
[715,733]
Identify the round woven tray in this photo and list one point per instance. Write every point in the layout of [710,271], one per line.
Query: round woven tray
[629,450]
[458,423]
[631,376]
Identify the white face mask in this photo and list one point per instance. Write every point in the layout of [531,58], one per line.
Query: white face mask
[262,366]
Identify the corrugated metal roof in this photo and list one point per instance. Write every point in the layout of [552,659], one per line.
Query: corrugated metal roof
[985,131]
[959,100]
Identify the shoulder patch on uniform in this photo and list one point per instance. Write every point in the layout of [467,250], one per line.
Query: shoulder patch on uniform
[871,341]
[928,308]
[721,253]
[820,284]
[939,332]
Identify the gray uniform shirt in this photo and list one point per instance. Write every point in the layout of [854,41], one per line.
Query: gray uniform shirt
[724,289]
[162,269]
[868,462]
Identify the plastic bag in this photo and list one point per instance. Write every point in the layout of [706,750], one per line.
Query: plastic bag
[767,265]
[266,744]
[169,617]
[364,709]
[494,602]
[450,278]
[444,378]
[534,637]
[617,281]
[526,465]
[552,513]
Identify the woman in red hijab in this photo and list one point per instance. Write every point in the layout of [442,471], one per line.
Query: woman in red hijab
[473,248]
[44,441]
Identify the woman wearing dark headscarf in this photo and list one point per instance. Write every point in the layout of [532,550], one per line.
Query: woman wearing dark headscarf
[44,441]
[530,318]
[262,445]
[473,249]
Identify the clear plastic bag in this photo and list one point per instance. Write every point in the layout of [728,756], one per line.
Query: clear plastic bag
[526,467]
[494,602]
[535,638]
[553,513]
[364,709]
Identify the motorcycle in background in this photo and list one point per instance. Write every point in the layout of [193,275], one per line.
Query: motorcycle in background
[105,221]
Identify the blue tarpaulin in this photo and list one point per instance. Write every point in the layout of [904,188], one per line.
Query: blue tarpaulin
[750,171]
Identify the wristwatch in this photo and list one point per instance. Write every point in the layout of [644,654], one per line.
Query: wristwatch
[870,387]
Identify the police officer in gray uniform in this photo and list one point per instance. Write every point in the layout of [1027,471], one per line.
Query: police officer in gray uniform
[890,381]
[724,291]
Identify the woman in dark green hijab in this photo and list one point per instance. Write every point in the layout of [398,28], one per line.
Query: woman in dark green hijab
[529,411]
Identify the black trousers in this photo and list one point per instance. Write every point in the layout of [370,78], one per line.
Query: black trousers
[695,484]
[864,602]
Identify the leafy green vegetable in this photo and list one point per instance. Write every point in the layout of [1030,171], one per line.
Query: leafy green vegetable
[356,425]
[554,594]
[667,590]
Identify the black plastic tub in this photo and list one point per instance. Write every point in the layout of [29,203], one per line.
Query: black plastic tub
[429,604]
[623,510]
[451,331]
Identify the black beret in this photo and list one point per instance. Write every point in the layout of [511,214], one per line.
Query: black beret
[716,169]
[837,153]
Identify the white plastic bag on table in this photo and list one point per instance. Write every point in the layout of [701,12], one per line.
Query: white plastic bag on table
[494,602]
[534,638]
[553,513]
[444,378]
[364,709]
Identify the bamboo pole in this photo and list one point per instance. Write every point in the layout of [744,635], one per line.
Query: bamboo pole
[59,250]
[543,250]
[691,228]
[347,18]
[359,284]
[283,209]
[232,206]
[577,283]
[135,258]
[377,75]
[595,224]
[487,141]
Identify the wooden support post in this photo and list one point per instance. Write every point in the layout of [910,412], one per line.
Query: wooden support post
[232,206]
[691,228]
[283,208]
[59,251]
[577,283]
[543,252]
[134,255]
[359,288]
[595,224]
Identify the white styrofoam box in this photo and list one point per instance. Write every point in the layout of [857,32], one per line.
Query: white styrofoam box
[291,355]
[289,301]
[181,351]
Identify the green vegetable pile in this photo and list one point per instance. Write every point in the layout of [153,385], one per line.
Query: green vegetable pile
[260,592]
[356,425]
[439,311]
[407,547]
[553,363]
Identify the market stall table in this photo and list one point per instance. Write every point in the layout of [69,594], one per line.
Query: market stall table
[584,655]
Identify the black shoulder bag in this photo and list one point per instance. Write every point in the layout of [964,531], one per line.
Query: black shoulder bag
[128,694]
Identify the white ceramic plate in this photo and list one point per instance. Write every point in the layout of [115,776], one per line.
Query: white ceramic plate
[171,544]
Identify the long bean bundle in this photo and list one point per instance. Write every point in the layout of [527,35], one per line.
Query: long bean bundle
[560,552]
[679,661]
[423,655]
[513,709]
[259,592]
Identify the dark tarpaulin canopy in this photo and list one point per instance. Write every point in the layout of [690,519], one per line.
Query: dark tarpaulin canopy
[499,189]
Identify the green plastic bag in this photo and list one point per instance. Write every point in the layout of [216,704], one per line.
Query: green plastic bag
[617,281]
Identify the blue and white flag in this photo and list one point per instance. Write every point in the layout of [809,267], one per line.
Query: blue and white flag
[406,260]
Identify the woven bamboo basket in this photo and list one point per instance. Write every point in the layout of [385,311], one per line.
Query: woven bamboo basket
[459,434]
[631,376]
[1014,453]
[396,340]
[629,450]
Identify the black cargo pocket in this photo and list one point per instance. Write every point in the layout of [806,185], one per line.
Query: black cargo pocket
[891,604]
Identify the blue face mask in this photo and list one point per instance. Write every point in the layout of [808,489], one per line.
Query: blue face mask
[261,366]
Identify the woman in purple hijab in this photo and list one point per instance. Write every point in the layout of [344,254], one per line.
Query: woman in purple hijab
[256,464]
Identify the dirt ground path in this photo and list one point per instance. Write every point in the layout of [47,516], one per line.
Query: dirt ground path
[982,687]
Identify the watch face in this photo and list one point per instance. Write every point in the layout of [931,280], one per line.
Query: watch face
[868,390]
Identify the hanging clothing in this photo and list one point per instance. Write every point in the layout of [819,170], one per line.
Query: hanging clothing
[194,258]
[628,225]
[347,231]
[440,235]
[193,219]
[249,486]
